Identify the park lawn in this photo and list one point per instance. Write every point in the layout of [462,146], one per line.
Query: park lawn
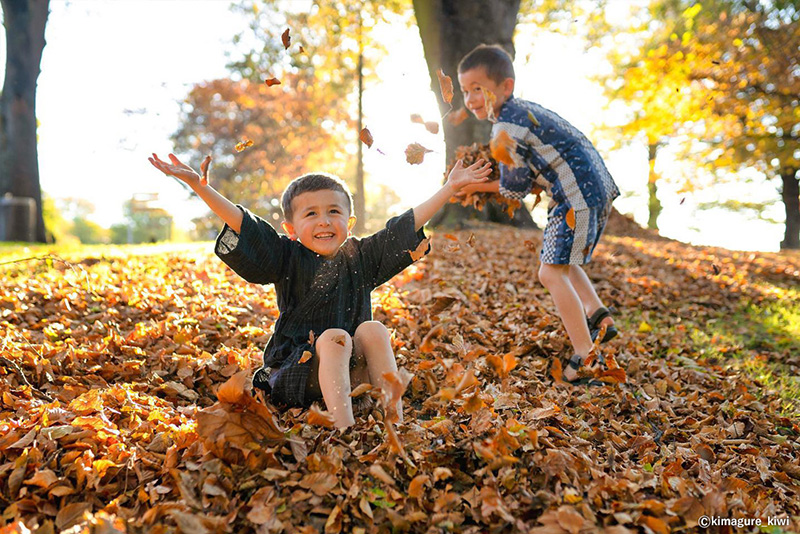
[135,411]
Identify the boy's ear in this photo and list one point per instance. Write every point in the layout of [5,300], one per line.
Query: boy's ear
[351,222]
[508,88]
[288,228]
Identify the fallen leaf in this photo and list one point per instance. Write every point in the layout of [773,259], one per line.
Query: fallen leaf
[421,249]
[432,127]
[503,148]
[286,39]
[457,117]
[570,218]
[243,144]
[366,137]
[445,85]
[318,417]
[415,153]
[489,99]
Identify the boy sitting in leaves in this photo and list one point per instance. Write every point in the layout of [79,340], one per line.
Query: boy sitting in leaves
[324,341]
[536,148]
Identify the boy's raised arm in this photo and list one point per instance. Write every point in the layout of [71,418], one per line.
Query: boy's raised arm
[224,208]
[459,178]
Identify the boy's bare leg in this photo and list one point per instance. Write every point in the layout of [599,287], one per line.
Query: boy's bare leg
[334,374]
[557,281]
[585,289]
[373,341]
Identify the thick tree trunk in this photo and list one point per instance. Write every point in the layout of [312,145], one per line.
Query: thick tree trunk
[653,204]
[791,200]
[449,29]
[24,22]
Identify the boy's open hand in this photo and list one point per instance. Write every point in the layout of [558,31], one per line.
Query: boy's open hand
[182,171]
[461,176]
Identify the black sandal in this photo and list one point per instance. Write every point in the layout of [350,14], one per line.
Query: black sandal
[594,325]
[576,362]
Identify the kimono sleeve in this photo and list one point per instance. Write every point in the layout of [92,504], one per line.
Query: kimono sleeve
[257,253]
[515,182]
[387,252]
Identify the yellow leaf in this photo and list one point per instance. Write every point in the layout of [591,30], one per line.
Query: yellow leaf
[644,327]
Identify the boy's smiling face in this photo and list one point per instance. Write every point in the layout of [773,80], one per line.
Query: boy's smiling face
[471,82]
[321,221]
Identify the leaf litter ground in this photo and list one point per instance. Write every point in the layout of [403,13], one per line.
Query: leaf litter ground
[124,402]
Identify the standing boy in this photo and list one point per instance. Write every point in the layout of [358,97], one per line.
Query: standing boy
[324,340]
[551,154]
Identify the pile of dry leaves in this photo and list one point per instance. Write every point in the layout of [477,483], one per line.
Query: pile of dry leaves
[125,406]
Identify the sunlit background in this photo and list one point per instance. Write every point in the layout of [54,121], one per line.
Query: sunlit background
[114,72]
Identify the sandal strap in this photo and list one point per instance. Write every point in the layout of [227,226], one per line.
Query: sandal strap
[576,361]
[600,314]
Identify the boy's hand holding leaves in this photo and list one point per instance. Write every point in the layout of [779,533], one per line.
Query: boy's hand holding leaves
[461,177]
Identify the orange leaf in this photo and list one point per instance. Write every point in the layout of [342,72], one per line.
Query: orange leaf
[318,417]
[243,144]
[204,170]
[489,99]
[305,357]
[272,81]
[503,148]
[339,340]
[509,362]
[655,524]
[473,404]
[417,486]
[415,153]
[286,39]
[571,218]
[427,341]
[421,249]
[366,137]
[446,86]
[232,391]
[44,479]
[432,127]
[556,371]
[451,237]
[471,240]
[361,389]
[458,116]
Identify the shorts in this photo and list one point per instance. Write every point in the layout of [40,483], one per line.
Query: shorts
[286,385]
[563,245]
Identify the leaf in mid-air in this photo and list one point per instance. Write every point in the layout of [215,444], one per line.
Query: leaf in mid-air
[446,86]
[415,153]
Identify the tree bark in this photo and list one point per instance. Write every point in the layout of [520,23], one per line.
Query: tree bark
[653,204]
[791,200]
[449,29]
[24,22]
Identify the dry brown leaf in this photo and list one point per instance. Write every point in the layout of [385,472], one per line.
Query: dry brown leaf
[243,144]
[318,417]
[417,119]
[432,127]
[286,39]
[489,101]
[272,81]
[458,116]
[445,85]
[421,249]
[503,148]
[366,137]
[415,153]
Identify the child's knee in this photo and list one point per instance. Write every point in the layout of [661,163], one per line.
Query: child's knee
[551,275]
[371,330]
[334,340]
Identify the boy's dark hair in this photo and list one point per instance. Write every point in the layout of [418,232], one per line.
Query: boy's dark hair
[493,58]
[315,181]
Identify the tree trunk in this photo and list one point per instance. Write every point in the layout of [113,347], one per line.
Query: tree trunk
[653,204]
[449,29]
[24,22]
[791,200]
